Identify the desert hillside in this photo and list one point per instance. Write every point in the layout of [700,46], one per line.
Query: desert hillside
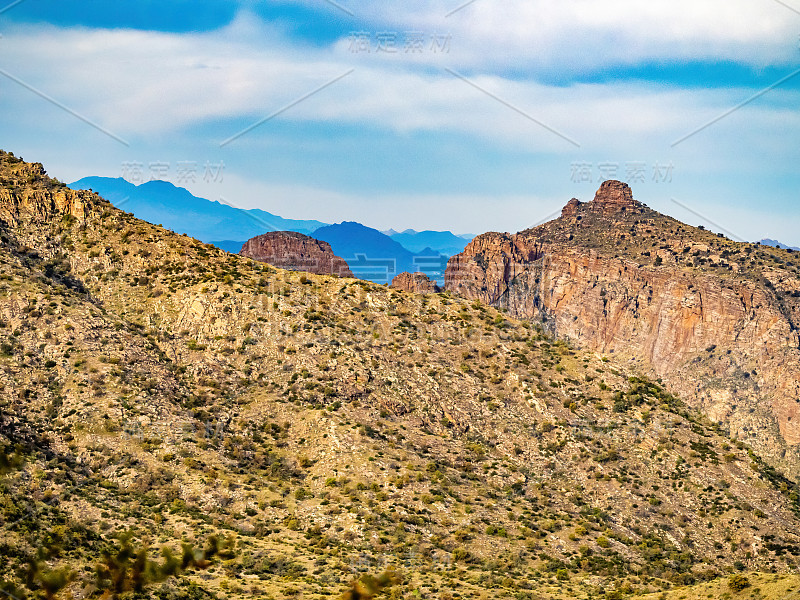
[284,433]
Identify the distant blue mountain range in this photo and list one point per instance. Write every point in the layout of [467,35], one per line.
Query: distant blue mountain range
[177,209]
[777,244]
[371,254]
[231,246]
[445,242]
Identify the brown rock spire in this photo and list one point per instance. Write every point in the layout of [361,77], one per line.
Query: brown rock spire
[571,208]
[614,196]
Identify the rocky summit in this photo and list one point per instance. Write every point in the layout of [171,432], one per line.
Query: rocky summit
[295,252]
[717,320]
[612,197]
[179,422]
[615,196]
[417,283]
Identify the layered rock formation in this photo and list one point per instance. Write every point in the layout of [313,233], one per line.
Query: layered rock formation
[716,319]
[615,196]
[295,252]
[418,283]
[26,193]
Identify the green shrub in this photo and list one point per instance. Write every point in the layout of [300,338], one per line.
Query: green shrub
[738,582]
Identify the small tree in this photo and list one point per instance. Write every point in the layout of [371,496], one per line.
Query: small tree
[738,582]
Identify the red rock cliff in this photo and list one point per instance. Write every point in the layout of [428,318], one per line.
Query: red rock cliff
[296,252]
[419,283]
[716,319]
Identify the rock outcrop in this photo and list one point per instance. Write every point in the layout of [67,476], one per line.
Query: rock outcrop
[614,196]
[717,320]
[295,252]
[419,283]
[27,194]
[571,208]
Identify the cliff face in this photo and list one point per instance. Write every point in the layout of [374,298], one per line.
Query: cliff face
[295,252]
[26,194]
[418,283]
[715,319]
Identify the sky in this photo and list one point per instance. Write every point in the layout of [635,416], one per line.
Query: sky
[425,114]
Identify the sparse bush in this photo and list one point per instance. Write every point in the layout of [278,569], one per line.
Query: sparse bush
[738,582]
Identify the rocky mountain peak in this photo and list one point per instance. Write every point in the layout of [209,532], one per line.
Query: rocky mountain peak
[709,315]
[614,196]
[419,283]
[295,252]
[571,208]
[28,194]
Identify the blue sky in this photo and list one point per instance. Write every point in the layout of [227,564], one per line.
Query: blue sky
[408,114]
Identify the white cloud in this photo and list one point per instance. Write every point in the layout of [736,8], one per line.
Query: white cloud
[582,35]
[142,83]
[162,87]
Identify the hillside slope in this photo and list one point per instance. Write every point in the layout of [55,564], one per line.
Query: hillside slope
[324,428]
